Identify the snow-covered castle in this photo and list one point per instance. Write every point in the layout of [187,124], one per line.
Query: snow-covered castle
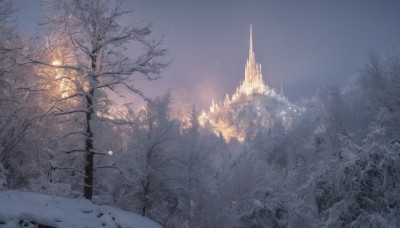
[253,103]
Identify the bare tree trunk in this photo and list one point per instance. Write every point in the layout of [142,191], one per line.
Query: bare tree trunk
[88,189]
[145,198]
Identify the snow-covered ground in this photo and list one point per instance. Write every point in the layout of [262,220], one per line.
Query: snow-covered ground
[26,209]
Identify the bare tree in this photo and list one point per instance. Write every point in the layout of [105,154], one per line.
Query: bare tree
[149,158]
[16,115]
[333,116]
[195,173]
[89,59]
[380,81]
[6,62]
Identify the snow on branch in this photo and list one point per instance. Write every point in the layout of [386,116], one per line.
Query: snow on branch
[70,112]
[74,133]
[31,61]
[69,168]
[111,166]
[116,122]
[72,151]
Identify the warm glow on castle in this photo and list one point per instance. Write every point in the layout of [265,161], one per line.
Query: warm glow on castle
[253,81]
[251,105]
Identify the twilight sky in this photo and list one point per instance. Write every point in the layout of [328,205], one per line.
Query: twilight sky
[303,44]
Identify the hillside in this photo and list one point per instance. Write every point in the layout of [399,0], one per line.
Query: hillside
[26,209]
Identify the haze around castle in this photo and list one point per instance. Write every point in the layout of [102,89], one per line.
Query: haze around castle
[302,45]
[253,103]
[199,114]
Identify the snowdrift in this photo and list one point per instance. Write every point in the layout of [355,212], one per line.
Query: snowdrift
[25,209]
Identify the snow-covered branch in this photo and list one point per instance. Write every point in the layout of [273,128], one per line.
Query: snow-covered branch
[70,112]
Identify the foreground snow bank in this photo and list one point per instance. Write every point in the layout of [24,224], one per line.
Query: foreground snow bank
[25,209]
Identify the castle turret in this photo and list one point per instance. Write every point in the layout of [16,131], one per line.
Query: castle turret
[253,81]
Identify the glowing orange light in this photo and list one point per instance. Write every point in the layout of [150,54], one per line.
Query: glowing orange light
[63,86]
[56,63]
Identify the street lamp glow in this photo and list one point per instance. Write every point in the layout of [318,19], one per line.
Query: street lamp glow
[56,63]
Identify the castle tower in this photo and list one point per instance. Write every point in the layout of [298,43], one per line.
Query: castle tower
[250,102]
[253,81]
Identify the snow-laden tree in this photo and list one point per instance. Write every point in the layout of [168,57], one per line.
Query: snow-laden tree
[19,109]
[332,116]
[7,51]
[364,190]
[145,165]
[380,81]
[88,57]
[151,143]
[194,172]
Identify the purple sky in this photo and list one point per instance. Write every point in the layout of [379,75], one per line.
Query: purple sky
[303,44]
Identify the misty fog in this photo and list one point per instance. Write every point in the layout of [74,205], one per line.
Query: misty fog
[106,122]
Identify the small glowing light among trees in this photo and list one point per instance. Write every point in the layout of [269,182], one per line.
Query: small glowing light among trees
[110,152]
[56,63]
[63,86]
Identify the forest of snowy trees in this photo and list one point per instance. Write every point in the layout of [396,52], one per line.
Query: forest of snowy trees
[63,134]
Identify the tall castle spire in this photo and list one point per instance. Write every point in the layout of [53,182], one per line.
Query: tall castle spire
[251,52]
[251,66]
[253,81]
